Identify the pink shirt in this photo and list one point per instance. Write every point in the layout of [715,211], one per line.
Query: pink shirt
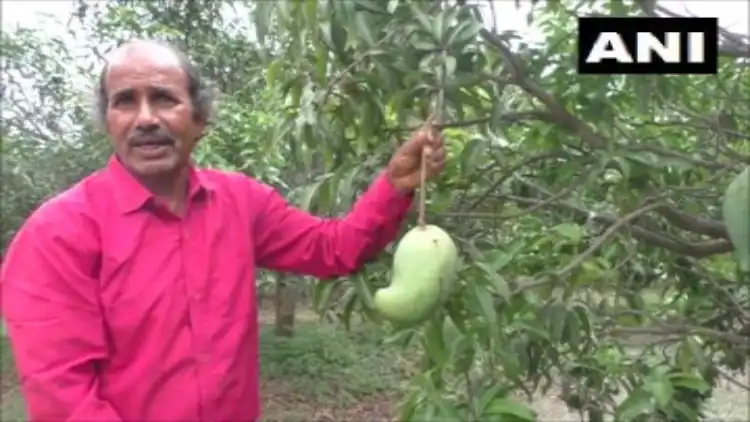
[118,310]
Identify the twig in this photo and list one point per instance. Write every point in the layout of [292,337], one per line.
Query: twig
[601,240]
[429,125]
[422,187]
[732,380]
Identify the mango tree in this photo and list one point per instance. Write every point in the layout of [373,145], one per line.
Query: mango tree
[48,141]
[587,208]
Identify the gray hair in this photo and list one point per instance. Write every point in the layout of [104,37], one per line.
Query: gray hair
[202,94]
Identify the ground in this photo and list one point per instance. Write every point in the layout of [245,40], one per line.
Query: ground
[327,374]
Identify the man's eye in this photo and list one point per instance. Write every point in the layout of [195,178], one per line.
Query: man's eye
[165,99]
[122,100]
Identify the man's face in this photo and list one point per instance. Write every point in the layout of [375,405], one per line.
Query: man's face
[149,116]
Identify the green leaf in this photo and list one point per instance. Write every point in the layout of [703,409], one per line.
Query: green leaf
[488,396]
[464,33]
[685,413]
[350,300]
[463,354]
[424,20]
[434,344]
[272,72]
[498,283]
[364,290]
[364,28]
[572,330]
[321,295]
[577,325]
[501,406]
[472,151]
[450,68]
[401,337]
[690,382]
[636,404]
[571,231]
[408,408]
[487,307]
[555,315]
[310,192]
[736,212]
[371,6]
[661,389]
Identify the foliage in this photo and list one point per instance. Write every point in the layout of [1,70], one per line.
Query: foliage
[588,209]
[46,141]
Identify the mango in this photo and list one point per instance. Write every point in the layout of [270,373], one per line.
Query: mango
[736,215]
[425,262]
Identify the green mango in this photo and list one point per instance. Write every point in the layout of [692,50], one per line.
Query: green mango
[424,268]
[736,214]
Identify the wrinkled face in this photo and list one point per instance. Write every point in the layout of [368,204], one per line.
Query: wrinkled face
[149,116]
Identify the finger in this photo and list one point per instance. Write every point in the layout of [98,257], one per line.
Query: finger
[436,162]
[416,143]
[436,138]
[435,167]
[438,154]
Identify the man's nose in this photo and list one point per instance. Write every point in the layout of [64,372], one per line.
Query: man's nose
[146,117]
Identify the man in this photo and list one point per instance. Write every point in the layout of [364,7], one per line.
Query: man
[131,296]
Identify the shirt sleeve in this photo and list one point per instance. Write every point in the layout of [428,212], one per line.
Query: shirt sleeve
[51,309]
[289,239]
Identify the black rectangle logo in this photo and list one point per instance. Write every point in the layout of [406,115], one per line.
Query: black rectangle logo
[648,45]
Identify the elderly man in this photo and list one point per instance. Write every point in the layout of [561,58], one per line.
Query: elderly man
[131,296]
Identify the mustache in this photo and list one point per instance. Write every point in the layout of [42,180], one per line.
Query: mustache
[157,135]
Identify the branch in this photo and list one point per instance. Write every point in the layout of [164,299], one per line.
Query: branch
[648,236]
[510,172]
[561,115]
[691,223]
[601,240]
[671,330]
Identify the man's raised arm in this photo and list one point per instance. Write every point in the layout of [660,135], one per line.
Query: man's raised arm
[289,239]
[50,304]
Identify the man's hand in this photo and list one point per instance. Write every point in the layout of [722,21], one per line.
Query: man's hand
[406,163]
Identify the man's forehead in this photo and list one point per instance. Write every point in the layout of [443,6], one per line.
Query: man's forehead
[144,52]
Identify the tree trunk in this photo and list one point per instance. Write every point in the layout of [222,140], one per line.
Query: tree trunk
[285,301]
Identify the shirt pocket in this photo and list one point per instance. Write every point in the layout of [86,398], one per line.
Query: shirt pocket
[231,275]
[143,297]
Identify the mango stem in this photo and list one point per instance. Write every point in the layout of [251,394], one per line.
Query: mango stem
[421,221]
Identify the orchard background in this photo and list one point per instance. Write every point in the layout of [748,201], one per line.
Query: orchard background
[597,280]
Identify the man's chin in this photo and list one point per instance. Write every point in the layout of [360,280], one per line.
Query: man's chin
[160,167]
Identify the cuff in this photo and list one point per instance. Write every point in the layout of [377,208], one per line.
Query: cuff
[383,192]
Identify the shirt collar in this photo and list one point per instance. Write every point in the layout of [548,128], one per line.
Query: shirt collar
[131,195]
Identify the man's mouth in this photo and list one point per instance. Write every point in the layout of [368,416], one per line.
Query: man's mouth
[152,144]
[152,147]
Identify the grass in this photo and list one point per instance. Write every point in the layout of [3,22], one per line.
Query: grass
[323,373]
